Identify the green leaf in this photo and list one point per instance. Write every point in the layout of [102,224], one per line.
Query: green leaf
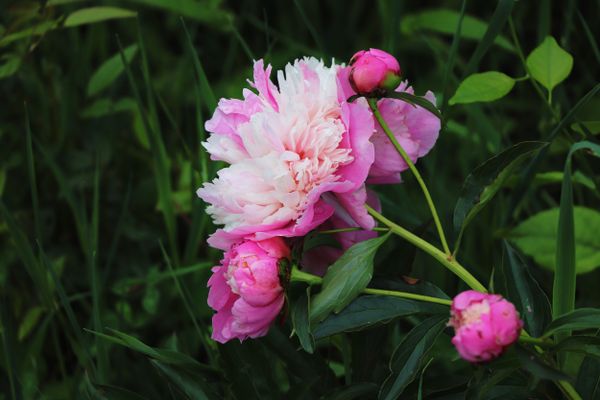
[301,322]
[524,291]
[10,65]
[588,379]
[346,278]
[592,126]
[354,391]
[110,70]
[535,365]
[588,345]
[549,64]
[563,289]
[190,385]
[409,355]
[483,87]
[414,101]
[484,182]
[96,14]
[582,318]
[367,311]
[537,237]
[116,393]
[445,21]
[29,322]
[208,12]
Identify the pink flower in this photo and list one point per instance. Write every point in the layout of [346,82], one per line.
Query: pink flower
[484,325]
[416,130]
[374,69]
[245,289]
[287,146]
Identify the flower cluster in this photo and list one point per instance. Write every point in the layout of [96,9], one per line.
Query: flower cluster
[299,157]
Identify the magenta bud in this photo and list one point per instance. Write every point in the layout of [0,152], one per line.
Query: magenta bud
[374,69]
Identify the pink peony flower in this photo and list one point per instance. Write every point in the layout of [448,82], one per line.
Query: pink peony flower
[374,69]
[484,325]
[287,146]
[416,130]
[245,290]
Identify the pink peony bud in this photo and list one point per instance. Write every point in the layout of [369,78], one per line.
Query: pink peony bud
[245,289]
[374,69]
[484,325]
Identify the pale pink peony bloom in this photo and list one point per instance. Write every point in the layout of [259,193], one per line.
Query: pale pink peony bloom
[416,130]
[287,146]
[245,290]
[374,69]
[484,325]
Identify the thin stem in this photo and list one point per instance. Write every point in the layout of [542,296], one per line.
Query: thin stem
[411,166]
[525,338]
[301,276]
[433,251]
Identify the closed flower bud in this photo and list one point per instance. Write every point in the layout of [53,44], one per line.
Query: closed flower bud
[245,289]
[374,69]
[484,325]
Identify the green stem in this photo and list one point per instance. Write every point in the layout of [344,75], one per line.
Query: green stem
[525,338]
[411,166]
[341,230]
[301,276]
[445,259]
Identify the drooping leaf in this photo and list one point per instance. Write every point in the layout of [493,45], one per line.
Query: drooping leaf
[96,14]
[109,71]
[444,21]
[367,311]
[483,87]
[346,278]
[525,292]
[409,355]
[580,319]
[532,363]
[484,182]
[301,322]
[588,379]
[193,386]
[549,64]
[537,237]
[588,345]
[414,101]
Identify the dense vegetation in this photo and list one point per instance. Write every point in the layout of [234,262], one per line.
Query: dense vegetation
[104,262]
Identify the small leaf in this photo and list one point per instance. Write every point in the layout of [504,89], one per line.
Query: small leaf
[367,311]
[10,65]
[346,278]
[582,318]
[109,71]
[549,64]
[29,322]
[409,355]
[537,237]
[96,14]
[525,292]
[484,182]
[483,87]
[592,126]
[301,322]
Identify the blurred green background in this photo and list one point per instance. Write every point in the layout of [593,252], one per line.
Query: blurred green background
[99,224]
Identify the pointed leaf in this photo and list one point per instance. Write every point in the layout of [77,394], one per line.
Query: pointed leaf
[96,14]
[484,87]
[549,64]
[582,318]
[346,278]
[109,71]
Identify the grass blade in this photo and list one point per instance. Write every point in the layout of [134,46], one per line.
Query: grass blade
[496,24]
[452,57]
[32,178]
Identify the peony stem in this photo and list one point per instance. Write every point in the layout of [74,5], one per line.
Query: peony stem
[415,171]
[301,276]
[525,338]
[427,247]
